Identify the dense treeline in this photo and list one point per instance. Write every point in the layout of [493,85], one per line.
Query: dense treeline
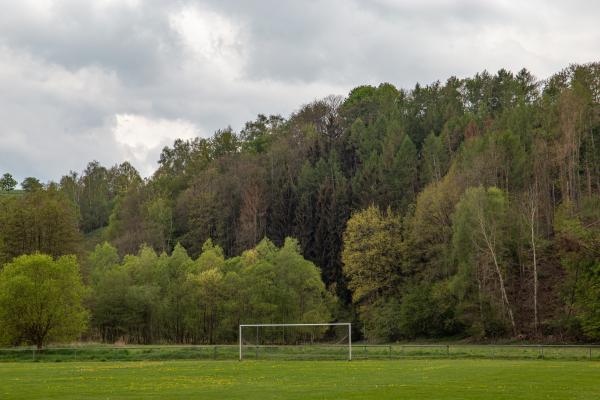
[151,298]
[148,297]
[470,207]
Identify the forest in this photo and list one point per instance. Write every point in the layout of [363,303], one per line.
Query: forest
[468,208]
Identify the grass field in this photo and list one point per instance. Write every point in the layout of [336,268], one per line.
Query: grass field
[264,380]
[12,193]
[299,352]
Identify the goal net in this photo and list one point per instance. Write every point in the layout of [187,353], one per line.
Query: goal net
[296,341]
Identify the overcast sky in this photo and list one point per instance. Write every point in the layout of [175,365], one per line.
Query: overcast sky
[116,80]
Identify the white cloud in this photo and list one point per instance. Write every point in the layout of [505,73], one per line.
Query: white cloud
[211,39]
[140,139]
[52,117]
[24,72]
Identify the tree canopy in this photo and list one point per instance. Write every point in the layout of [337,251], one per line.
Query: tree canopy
[460,207]
[41,300]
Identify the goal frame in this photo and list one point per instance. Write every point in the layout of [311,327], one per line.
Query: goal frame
[348,324]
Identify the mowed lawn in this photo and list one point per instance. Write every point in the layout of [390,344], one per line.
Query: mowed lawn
[368,379]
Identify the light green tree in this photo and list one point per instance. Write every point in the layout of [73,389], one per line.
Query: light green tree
[429,229]
[212,257]
[104,257]
[126,299]
[41,300]
[372,254]
[173,272]
[208,294]
[372,262]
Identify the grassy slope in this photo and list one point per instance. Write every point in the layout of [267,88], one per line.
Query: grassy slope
[12,193]
[264,380]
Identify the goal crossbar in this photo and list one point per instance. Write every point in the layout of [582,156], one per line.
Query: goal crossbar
[323,324]
[348,324]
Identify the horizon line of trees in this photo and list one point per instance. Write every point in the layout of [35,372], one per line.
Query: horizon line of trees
[469,207]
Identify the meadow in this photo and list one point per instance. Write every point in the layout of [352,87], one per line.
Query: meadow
[95,352]
[364,379]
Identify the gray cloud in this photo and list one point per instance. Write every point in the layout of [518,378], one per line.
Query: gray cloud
[119,79]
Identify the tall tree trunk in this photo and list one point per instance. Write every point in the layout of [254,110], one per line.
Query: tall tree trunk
[535,273]
[490,247]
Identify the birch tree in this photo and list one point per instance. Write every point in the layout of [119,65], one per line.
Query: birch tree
[480,239]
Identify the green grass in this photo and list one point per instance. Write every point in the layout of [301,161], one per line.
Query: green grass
[12,193]
[264,380]
[225,352]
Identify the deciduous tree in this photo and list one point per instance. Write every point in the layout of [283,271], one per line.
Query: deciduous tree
[41,300]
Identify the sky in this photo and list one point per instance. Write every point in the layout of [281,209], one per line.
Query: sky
[116,80]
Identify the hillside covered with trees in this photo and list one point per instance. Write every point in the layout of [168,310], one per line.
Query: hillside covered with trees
[468,208]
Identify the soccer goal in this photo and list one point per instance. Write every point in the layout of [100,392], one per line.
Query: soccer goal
[296,341]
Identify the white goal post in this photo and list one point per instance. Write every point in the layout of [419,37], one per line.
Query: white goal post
[347,324]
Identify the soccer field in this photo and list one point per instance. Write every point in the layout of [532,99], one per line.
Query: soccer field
[367,379]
